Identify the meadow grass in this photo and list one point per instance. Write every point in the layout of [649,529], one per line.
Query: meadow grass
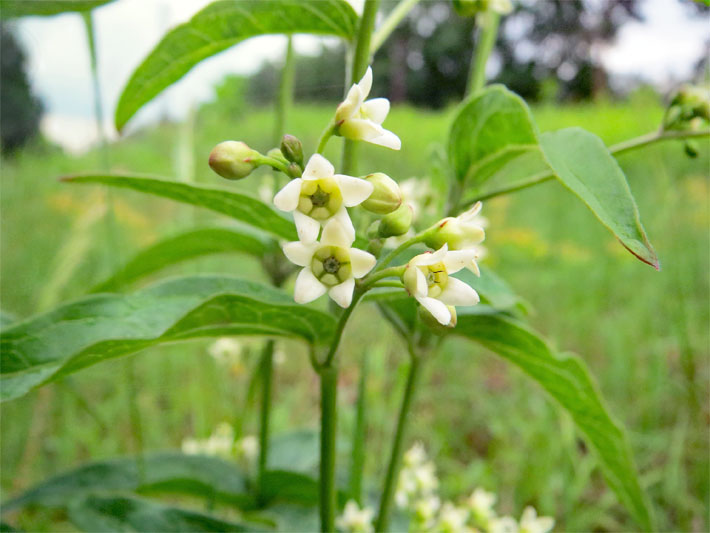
[644,334]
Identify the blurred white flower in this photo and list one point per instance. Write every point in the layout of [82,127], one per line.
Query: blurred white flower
[531,523]
[504,524]
[226,351]
[425,510]
[191,446]
[452,519]
[356,520]
[247,448]
[481,504]
[415,456]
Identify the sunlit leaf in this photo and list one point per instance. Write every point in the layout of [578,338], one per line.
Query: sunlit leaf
[105,326]
[21,8]
[221,25]
[108,514]
[582,162]
[567,380]
[491,128]
[239,206]
[182,247]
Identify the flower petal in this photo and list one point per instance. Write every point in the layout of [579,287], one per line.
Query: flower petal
[334,234]
[343,294]
[287,198]
[388,140]
[471,213]
[350,105]
[354,190]
[365,83]
[306,227]
[307,288]
[361,262]
[458,293]
[375,109]
[431,258]
[421,289]
[437,309]
[300,253]
[458,259]
[360,129]
[343,217]
[318,167]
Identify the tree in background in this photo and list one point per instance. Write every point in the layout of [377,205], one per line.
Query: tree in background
[20,109]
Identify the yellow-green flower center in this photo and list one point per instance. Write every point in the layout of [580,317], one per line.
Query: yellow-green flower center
[331,265]
[320,199]
[436,279]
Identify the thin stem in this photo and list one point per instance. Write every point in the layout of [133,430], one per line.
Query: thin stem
[98,109]
[358,449]
[267,367]
[361,58]
[285,96]
[484,47]
[390,24]
[616,149]
[325,137]
[357,295]
[395,460]
[392,284]
[394,253]
[369,281]
[329,420]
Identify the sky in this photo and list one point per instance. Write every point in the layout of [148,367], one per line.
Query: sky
[661,50]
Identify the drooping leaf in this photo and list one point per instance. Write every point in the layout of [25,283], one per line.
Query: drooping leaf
[108,514]
[490,129]
[568,381]
[239,206]
[221,25]
[160,473]
[583,164]
[22,8]
[182,247]
[106,326]
[291,487]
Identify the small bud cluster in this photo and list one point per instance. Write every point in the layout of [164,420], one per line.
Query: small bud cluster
[689,109]
[222,444]
[417,494]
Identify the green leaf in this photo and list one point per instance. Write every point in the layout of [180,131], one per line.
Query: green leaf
[21,8]
[239,206]
[491,128]
[6,318]
[221,25]
[182,247]
[493,290]
[583,163]
[162,473]
[567,380]
[291,487]
[296,451]
[106,326]
[119,513]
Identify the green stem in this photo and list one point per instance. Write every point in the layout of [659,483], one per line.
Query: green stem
[386,260]
[484,47]
[395,460]
[358,450]
[361,58]
[616,149]
[390,284]
[325,137]
[391,23]
[329,420]
[285,96]
[98,110]
[267,368]
[369,281]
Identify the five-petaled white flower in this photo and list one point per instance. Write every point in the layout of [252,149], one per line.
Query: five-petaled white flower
[330,265]
[428,278]
[320,195]
[361,120]
[356,520]
[531,523]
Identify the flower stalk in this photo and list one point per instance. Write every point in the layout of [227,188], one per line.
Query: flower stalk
[489,22]
[267,368]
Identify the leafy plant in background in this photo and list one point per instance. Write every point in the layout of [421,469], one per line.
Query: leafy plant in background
[335,229]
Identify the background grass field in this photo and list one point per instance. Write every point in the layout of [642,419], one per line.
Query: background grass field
[644,334]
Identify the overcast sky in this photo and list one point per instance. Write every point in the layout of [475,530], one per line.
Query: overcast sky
[662,49]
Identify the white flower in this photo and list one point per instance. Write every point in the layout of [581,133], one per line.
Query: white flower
[425,510]
[247,448]
[481,503]
[361,120]
[320,195]
[330,265]
[425,478]
[464,232]
[502,7]
[191,446]
[504,524]
[452,519]
[415,456]
[356,520]
[428,278]
[531,523]
[226,351]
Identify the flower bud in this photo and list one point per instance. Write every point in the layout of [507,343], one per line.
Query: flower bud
[691,148]
[292,149]
[396,223]
[386,196]
[233,160]
[458,233]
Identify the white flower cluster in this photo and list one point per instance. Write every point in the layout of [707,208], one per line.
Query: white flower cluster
[355,519]
[230,353]
[417,494]
[222,444]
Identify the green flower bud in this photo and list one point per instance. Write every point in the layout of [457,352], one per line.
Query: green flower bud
[396,223]
[275,153]
[234,160]
[691,148]
[294,170]
[292,149]
[386,196]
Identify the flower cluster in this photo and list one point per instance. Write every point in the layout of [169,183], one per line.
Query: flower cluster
[221,443]
[417,494]
[355,519]
[232,354]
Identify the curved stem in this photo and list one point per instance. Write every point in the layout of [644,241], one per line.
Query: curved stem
[391,23]
[395,460]
[484,47]
[325,137]
[390,284]
[394,253]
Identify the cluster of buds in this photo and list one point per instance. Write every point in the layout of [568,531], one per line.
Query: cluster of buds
[689,109]
[221,443]
[469,8]
[417,494]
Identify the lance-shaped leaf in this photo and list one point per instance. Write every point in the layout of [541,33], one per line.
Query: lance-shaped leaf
[490,129]
[583,163]
[21,8]
[159,473]
[180,248]
[106,326]
[223,24]
[238,206]
[107,514]
[567,380]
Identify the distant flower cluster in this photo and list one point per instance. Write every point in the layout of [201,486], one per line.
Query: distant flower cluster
[221,443]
